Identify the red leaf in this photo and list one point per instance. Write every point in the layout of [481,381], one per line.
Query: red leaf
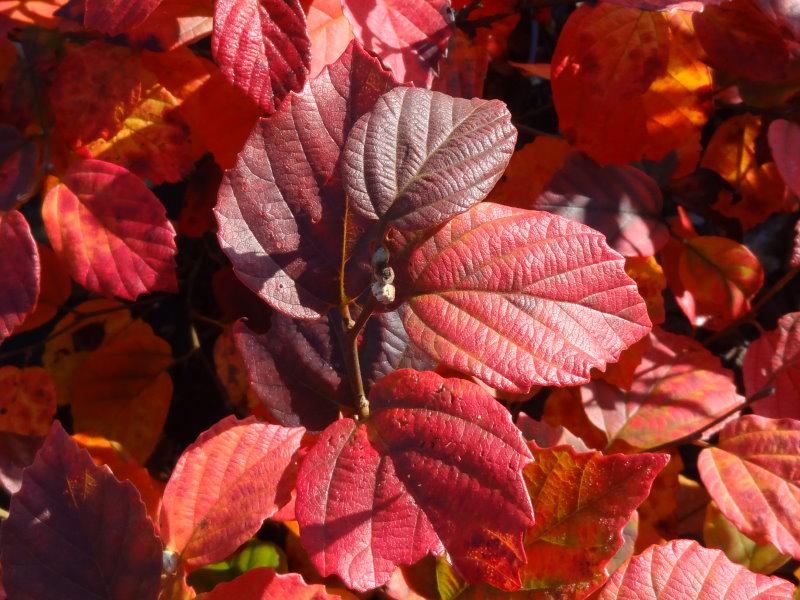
[74,528]
[262,47]
[684,570]
[295,370]
[741,40]
[19,161]
[19,272]
[409,36]
[560,306]
[449,153]
[232,478]
[754,477]
[111,231]
[436,467]
[622,202]
[109,16]
[293,258]
[648,86]
[713,279]
[773,361]
[582,502]
[784,141]
[266,584]
[678,388]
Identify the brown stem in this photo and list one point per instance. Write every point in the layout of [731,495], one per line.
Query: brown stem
[352,359]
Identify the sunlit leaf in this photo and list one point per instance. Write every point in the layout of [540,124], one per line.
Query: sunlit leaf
[448,153]
[262,47]
[772,365]
[70,528]
[436,467]
[713,279]
[232,478]
[678,387]
[560,306]
[219,114]
[293,259]
[132,124]
[125,468]
[684,570]
[582,502]
[409,36]
[329,31]
[174,23]
[111,231]
[620,106]
[753,475]
[650,281]
[732,154]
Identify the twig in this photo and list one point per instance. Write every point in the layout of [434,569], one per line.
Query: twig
[351,356]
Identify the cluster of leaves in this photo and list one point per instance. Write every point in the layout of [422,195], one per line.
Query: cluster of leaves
[327,318]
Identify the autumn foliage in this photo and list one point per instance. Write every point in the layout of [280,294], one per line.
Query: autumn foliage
[409,300]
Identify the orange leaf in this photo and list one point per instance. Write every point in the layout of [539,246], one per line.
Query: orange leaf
[650,280]
[581,501]
[122,390]
[27,400]
[31,12]
[220,115]
[713,279]
[131,121]
[530,170]
[623,101]
[732,154]
[84,329]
